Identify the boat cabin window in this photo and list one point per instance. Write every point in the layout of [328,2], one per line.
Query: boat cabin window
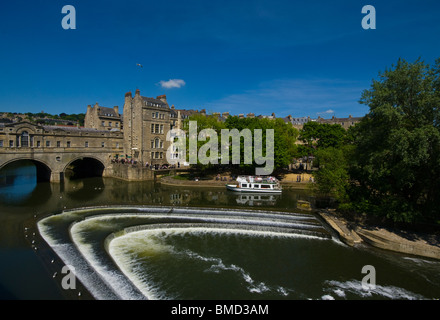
[244,185]
[265,186]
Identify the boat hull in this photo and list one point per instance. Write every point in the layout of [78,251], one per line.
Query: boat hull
[251,190]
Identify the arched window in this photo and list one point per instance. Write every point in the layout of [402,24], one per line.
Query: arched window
[24,139]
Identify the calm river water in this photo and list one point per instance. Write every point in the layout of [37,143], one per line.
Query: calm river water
[184,243]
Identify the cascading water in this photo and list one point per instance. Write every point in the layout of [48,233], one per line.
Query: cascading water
[188,253]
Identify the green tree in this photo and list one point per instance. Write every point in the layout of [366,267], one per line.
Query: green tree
[322,135]
[333,178]
[285,136]
[397,158]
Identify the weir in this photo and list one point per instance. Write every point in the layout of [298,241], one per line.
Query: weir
[82,237]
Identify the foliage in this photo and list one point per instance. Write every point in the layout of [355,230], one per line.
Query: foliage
[46,118]
[323,135]
[284,137]
[332,178]
[393,168]
[398,144]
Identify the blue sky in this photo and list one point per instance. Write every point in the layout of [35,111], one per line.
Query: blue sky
[283,56]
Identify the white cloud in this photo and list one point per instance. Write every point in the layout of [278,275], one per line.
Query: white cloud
[329,111]
[172,83]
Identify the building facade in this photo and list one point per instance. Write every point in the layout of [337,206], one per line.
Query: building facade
[146,124]
[102,118]
[24,135]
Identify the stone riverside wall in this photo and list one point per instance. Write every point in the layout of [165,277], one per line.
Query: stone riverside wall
[130,172]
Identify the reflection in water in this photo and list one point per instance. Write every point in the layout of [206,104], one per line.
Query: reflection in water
[83,189]
[18,182]
[257,199]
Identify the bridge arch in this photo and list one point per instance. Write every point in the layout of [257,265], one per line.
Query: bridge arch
[84,167]
[43,170]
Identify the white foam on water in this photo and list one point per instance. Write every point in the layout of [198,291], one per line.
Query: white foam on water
[339,293]
[98,217]
[113,278]
[355,287]
[150,239]
[121,250]
[219,266]
[68,254]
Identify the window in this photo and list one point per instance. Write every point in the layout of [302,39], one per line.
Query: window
[157,143]
[152,128]
[109,123]
[1,143]
[161,155]
[86,144]
[153,115]
[47,143]
[58,144]
[103,123]
[157,114]
[157,155]
[161,128]
[156,128]
[38,144]
[11,143]
[24,139]
[152,144]
[117,124]
[152,155]
[102,144]
[117,145]
[68,144]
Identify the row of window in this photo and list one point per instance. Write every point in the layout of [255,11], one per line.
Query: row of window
[157,155]
[157,128]
[157,115]
[26,144]
[110,124]
[156,144]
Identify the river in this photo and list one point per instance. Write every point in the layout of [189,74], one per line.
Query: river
[144,240]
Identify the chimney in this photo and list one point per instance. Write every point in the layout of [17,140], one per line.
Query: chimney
[172,107]
[137,93]
[225,115]
[162,98]
[116,108]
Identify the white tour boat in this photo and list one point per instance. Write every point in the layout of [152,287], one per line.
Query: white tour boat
[256,184]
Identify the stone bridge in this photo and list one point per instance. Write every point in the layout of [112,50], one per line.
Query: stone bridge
[52,165]
[58,151]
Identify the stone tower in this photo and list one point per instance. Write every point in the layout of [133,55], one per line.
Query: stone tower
[146,123]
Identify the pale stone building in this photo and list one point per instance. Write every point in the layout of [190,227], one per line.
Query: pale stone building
[102,118]
[146,124]
[23,135]
[344,122]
